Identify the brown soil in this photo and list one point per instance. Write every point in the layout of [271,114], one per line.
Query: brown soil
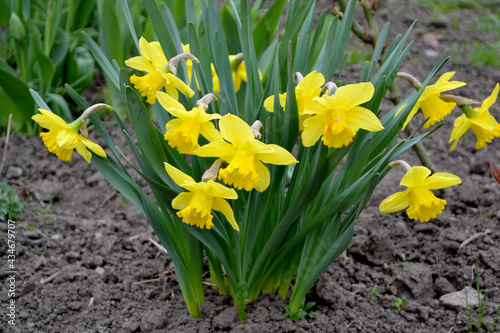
[108,277]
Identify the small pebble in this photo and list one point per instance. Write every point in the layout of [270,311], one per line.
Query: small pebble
[14,172]
[461,299]
[31,234]
[36,241]
[57,237]
[431,54]
[100,271]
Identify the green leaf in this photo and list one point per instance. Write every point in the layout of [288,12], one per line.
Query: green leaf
[130,23]
[101,59]
[18,91]
[110,34]
[266,28]
[147,135]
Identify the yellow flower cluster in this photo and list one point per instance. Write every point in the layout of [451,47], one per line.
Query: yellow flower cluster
[334,118]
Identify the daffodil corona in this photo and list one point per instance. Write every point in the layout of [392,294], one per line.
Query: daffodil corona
[154,62]
[195,206]
[63,138]
[433,107]
[306,90]
[184,131]
[245,155]
[422,204]
[482,123]
[337,118]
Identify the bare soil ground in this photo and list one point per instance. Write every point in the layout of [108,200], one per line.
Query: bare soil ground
[88,265]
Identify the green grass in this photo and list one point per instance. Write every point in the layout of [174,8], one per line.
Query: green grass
[487,23]
[480,54]
[449,5]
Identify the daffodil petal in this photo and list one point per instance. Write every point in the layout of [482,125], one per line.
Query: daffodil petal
[441,180]
[485,121]
[67,139]
[220,149]
[177,175]
[140,63]
[168,102]
[182,200]
[223,206]
[172,125]
[280,156]
[82,150]
[490,100]
[415,176]
[210,133]
[47,119]
[361,117]
[235,130]
[460,126]
[396,202]
[180,85]
[352,95]
[313,130]
[311,81]
[171,91]
[221,191]
[93,146]
[152,52]
[264,177]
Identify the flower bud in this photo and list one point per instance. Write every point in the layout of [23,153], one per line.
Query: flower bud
[16,27]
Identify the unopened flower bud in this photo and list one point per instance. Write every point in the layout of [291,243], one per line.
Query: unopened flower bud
[16,27]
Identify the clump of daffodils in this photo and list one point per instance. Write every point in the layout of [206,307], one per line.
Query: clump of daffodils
[252,166]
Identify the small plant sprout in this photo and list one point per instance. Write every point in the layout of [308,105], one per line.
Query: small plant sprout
[374,291]
[403,256]
[302,312]
[344,255]
[385,266]
[124,203]
[476,326]
[399,303]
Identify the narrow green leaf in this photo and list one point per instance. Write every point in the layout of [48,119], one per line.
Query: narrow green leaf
[266,28]
[101,59]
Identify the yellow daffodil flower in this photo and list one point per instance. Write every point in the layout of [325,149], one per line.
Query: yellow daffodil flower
[196,205]
[62,138]
[245,155]
[433,107]
[184,131]
[306,90]
[482,123]
[237,69]
[154,62]
[423,204]
[339,117]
